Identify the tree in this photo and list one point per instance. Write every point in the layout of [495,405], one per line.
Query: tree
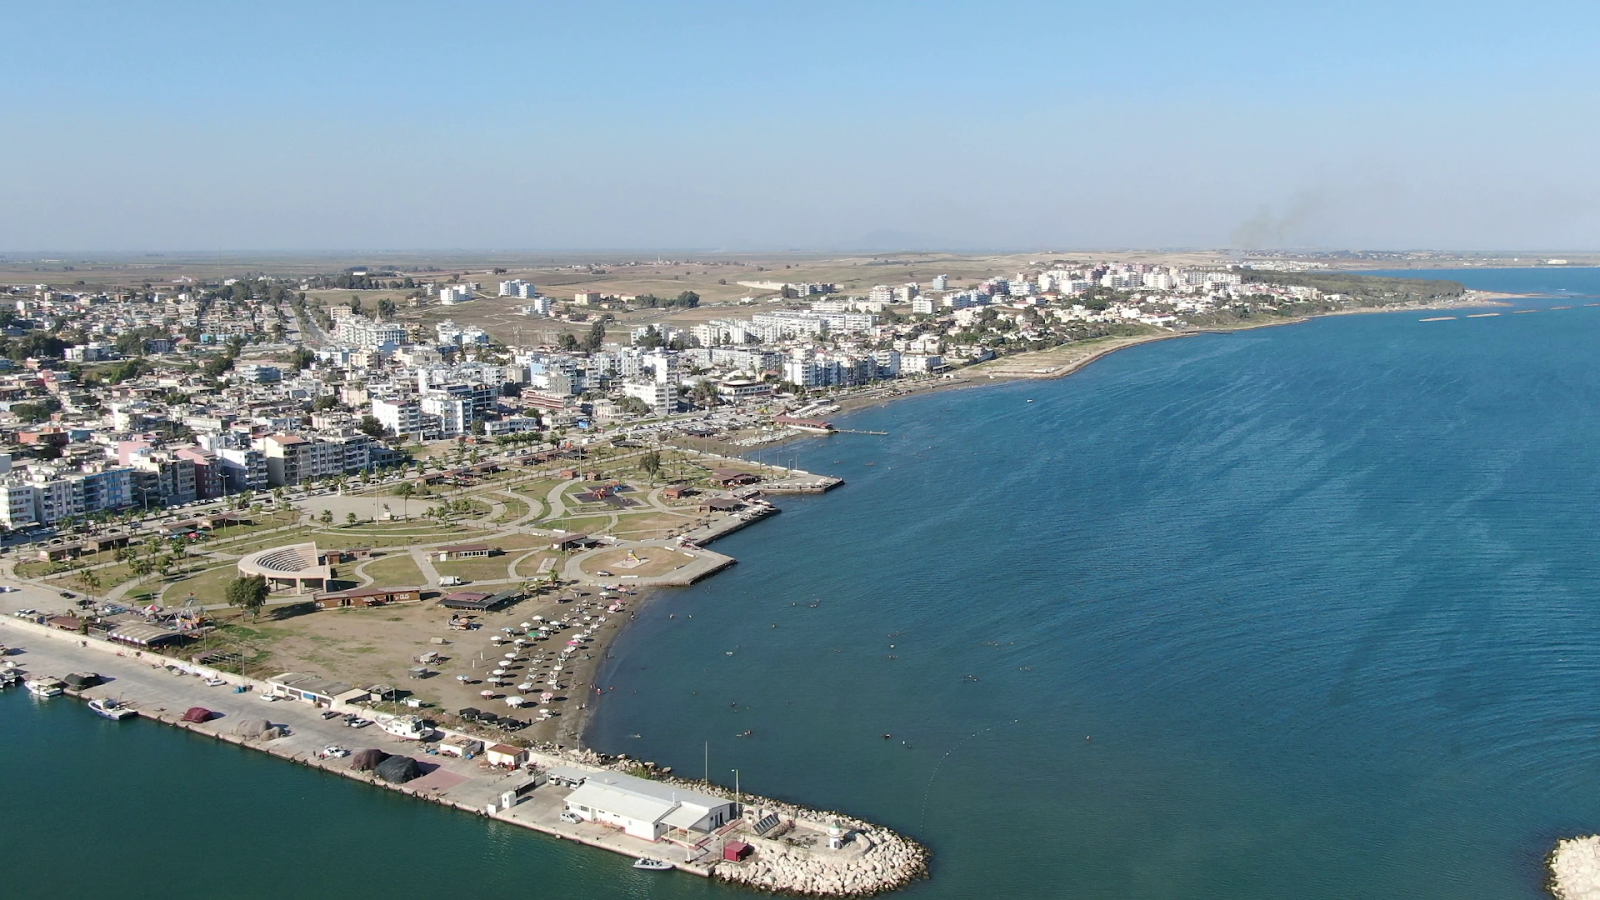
[324,402]
[568,342]
[651,463]
[371,427]
[248,594]
[350,518]
[301,358]
[597,336]
[405,490]
[327,517]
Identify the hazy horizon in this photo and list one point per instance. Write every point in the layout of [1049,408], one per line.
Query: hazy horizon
[1015,126]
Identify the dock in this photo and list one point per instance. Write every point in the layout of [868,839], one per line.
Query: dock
[789,846]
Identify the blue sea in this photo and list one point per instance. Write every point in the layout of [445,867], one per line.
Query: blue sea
[1309,612]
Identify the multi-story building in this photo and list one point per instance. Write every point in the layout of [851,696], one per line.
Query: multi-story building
[450,296]
[661,397]
[161,478]
[401,417]
[518,288]
[243,469]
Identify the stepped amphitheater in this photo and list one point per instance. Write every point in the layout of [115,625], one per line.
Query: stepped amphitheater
[297,568]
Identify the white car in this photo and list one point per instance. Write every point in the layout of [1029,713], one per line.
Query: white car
[215,682]
[267,698]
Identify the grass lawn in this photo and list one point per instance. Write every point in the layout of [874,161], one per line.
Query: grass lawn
[585,524]
[394,570]
[529,568]
[515,509]
[208,587]
[491,569]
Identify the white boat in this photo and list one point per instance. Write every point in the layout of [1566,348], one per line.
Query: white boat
[407,727]
[111,709]
[652,865]
[45,686]
[9,678]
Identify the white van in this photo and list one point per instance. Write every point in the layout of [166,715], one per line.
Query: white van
[451,581]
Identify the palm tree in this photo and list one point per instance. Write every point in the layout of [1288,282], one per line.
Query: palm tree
[404,490]
[327,517]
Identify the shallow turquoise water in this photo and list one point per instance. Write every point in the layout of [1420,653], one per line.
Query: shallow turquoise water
[1324,596]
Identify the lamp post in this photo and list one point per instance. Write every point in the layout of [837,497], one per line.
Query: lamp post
[738,797]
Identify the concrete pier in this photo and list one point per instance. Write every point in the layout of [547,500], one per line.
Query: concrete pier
[792,856]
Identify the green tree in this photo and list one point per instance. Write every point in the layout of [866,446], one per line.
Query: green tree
[327,517]
[405,490]
[596,338]
[350,518]
[371,427]
[248,594]
[650,463]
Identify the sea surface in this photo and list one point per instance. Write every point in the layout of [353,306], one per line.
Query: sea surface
[1307,612]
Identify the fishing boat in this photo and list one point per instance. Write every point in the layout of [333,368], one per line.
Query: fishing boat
[652,865]
[44,686]
[10,678]
[111,709]
[410,728]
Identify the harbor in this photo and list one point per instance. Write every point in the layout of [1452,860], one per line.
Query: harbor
[625,806]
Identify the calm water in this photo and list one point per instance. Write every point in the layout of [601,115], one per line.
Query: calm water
[1324,596]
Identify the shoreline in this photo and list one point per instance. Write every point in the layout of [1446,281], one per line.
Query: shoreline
[580,732]
[871,859]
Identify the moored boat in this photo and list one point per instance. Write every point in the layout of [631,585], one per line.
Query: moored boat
[111,709]
[44,686]
[652,865]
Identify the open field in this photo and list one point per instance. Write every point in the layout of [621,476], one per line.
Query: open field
[394,570]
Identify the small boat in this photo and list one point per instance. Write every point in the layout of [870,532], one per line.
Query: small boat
[408,727]
[111,709]
[9,678]
[45,686]
[652,865]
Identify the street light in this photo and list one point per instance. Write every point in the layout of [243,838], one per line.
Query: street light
[738,798]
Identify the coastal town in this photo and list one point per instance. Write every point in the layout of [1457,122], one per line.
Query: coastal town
[421,504]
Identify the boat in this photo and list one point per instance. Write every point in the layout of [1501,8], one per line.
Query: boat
[407,727]
[111,709]
[652,865]
[44,686]
[10,678]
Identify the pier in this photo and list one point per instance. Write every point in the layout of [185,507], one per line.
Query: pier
[776,846]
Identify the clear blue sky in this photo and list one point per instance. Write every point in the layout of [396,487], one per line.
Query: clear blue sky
[756,125]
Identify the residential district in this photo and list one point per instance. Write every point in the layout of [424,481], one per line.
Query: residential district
[148,397]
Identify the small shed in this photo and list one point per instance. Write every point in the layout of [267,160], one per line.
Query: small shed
[507,755]
[735,851]
[732,477]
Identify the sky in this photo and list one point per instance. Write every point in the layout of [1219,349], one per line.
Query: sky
[333,126]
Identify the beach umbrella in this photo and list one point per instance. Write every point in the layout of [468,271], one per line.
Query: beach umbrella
[547,696]
[525,626]
[486,694]
[525,686]
[498,672]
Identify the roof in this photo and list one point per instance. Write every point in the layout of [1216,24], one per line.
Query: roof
[620,803]
[570,538]
[367,592]
[142,634]
[287,439]
[507,750]
[464,548]
[310,684]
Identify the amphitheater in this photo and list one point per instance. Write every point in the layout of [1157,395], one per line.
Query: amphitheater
[294,567]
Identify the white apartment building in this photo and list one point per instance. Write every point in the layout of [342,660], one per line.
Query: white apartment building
[662,398]
[451,295]
[403,417]
[518,288]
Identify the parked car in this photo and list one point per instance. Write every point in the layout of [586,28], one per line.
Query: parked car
[269,698]
[68,594]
